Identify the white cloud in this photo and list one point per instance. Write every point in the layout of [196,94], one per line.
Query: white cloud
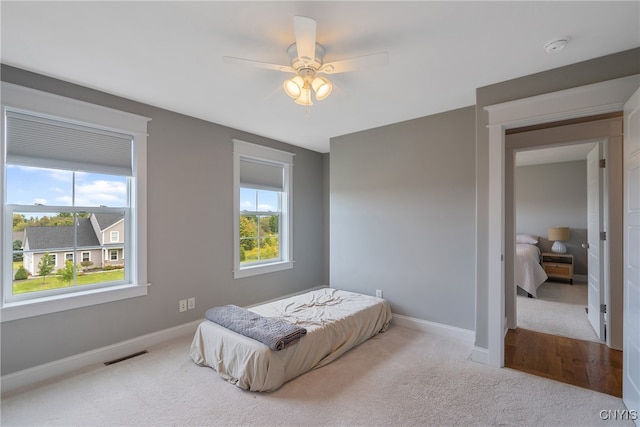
[266,207]
[101,192]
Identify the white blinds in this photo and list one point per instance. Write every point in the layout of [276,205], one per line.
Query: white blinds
[262,176]
[49,143]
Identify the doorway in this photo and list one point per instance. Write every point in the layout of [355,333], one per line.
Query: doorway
[604,97]
[586,133]
[551,189]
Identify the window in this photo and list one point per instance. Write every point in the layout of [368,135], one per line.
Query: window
[113,255]
[262,228]
[115,237]
[66,177]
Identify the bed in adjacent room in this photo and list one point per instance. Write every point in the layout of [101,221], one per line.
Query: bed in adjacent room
[529,274]
[334,320]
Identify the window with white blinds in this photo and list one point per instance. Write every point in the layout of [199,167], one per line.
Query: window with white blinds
[262,203]
[71,172]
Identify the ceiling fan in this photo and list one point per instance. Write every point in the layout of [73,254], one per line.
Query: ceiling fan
[307,62]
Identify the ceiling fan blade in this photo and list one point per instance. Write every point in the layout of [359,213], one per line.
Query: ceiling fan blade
[258,64]
[356,63]
[305,30]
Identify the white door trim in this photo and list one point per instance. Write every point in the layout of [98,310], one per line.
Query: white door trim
[598,98]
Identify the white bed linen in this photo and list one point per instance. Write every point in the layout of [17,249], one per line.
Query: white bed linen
[529,273]
[335,320]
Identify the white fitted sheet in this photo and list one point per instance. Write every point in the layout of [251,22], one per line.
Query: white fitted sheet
[335,320]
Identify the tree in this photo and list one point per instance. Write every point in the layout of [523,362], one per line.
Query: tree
[21,274]
[248,232]
[45,266]
[17,245]
[66,274]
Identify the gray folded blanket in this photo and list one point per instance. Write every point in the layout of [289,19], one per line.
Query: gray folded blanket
[275,333]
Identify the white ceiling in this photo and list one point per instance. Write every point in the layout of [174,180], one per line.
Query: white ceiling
[169,54]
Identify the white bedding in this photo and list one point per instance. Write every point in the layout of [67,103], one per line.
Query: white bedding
[529,273]
[335,320]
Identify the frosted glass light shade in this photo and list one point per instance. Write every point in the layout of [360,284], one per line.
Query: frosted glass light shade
[305,97]
[322,88]
[293,87]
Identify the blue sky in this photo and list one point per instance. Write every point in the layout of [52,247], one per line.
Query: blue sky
[28,186]
[264,200]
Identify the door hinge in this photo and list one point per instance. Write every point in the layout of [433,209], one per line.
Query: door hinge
[603,163]
[603,235]
[603,308]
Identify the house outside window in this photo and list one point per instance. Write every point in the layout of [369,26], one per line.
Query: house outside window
[262,203]
[52,166]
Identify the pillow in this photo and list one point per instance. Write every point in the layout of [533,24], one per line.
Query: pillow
[527,238]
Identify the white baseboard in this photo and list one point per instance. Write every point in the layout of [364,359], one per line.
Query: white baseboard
[460,334]
[480,355]
[100,355]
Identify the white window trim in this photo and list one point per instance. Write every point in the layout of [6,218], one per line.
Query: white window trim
[16,97]
[113,234]
[242,149]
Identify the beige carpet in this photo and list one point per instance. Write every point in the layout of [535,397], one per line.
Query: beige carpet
[399,378]
[559,309]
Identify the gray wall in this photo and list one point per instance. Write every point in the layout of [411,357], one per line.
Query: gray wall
[608,67]
[550,195]
[403,216]
[190,222]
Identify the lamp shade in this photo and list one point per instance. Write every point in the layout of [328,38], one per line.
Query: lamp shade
[322,88]
[293,87]
[305,97]
[558,233]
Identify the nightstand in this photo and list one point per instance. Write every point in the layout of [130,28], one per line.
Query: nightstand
[558,266]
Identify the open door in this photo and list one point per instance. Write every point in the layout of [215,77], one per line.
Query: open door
[631,273]
[595,244]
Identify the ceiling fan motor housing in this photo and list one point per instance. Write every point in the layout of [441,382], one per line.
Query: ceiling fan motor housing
[304,62]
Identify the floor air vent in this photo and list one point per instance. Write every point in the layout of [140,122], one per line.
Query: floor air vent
[131,356]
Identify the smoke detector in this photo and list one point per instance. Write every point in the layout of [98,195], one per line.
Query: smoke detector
[556,45]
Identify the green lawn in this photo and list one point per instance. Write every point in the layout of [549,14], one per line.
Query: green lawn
[54,282]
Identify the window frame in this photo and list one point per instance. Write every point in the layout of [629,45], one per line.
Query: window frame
[23,99]
[255,152]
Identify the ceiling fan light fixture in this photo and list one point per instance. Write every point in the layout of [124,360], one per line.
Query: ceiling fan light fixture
[305,97]
[293,87]
[321,87]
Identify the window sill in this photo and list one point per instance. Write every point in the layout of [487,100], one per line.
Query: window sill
[262,269]
[37,307]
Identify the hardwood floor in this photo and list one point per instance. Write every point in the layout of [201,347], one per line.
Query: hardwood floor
[584,364]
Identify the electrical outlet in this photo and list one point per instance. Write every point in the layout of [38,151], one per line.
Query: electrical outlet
[191,303]
[182,305]
[379,293]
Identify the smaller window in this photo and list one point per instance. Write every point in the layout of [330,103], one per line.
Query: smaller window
[115,237]
[262,229]
[113,255]
[68,256]
[86,256]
